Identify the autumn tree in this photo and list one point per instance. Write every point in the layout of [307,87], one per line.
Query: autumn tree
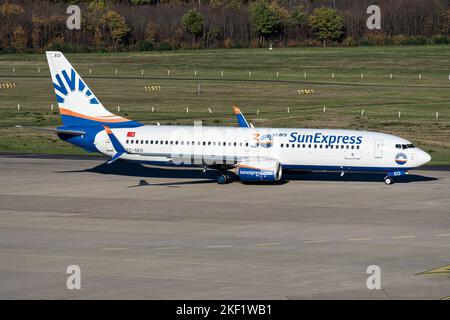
[12,34]
[115,25]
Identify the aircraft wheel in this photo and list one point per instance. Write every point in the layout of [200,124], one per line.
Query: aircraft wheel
[222,179]
[389,180]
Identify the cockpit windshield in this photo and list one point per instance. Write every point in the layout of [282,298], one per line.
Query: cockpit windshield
[404,146]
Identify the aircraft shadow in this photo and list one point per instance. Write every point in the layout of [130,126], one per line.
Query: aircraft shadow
[131,169]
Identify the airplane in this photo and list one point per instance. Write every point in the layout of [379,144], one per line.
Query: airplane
[242,153]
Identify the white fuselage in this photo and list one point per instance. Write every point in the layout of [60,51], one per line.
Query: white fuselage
[308,149]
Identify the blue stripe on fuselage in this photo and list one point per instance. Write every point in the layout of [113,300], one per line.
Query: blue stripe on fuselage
[342,168]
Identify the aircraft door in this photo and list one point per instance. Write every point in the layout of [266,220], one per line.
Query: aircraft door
[378,152]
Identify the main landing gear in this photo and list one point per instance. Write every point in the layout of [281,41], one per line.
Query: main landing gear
[223,178]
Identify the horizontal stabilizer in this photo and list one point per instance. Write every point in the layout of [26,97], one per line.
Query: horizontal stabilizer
[55,130]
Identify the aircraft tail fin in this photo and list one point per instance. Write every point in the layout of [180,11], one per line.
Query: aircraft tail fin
[78,105]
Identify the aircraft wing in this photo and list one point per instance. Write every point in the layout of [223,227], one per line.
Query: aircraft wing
[202,159]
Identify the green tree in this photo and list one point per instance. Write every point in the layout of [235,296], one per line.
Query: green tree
[299,17]
[193,22]
[268,18]
[327,24]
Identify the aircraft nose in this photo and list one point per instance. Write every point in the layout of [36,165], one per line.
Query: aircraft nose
[423,158]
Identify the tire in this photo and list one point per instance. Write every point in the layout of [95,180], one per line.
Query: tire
[389,180]
[222,179]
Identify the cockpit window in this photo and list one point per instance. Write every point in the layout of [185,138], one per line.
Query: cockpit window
[404,146]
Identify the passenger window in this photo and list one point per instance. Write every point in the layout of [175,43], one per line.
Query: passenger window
[282,145]
[127,141]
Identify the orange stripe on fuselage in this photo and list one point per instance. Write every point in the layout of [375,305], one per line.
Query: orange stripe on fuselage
[99,119]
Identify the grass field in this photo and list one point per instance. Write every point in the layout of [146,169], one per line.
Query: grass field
[264,96]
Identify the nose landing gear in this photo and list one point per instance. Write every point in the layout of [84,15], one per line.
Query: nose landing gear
[389,179]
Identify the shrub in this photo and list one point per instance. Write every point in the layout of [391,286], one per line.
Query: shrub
[146,46]
[293,43]
[416,40]
[311,43]
[228,43]
[349,42]
[399,40]
[165,46]
[439,39]
[255,43]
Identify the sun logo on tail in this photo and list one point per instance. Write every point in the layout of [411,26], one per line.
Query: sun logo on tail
[70,86]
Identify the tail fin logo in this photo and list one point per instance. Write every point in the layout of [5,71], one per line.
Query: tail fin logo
[72,84]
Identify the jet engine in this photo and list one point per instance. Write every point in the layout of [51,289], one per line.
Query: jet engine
[260,170]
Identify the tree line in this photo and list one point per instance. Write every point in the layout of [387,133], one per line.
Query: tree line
[130,25]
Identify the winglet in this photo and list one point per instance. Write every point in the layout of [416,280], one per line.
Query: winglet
[120,150]
[242,122]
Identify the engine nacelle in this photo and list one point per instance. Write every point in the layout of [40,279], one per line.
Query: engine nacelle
[263,170]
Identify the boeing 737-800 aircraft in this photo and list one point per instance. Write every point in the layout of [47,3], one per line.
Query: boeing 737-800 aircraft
[246,153]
